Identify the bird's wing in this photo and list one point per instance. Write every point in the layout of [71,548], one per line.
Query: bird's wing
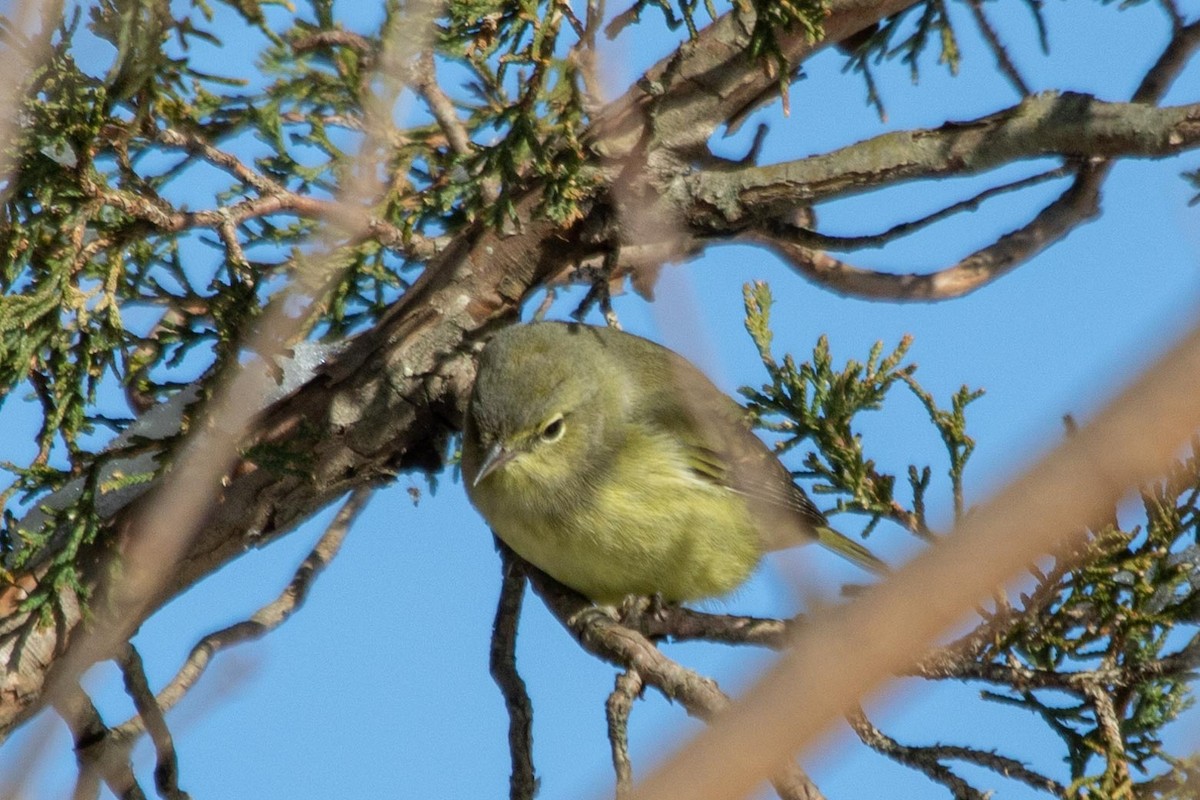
[783,513]
[719,446]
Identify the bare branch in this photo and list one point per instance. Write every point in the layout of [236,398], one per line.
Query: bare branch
[681,624]
[1002,765]
[1108,725]
[192,143]
[918,758]
[603,636]
[1003,60]
[1047,124]
[927,759]
[713,79]
[620,703]
[754,202]
[337,38]
[1168,66]
[354,222]
[522,781]
[1080,202]
[98,758]
[811,238]
[425,83]
[583,53]
[265,620]
[166,771]
[1172,12]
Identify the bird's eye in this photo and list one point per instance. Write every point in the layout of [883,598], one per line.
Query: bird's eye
[553,430]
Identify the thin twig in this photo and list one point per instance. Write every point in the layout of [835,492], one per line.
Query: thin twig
[1002,765]
[99,759]
[916,757]
[166,769]
[600,291]
[361,45]
[1075,206]
[1166,69]
[583,53]
[813,238]
[1003,61]
[425,83]
[265,620]
[1173,13]
[603,636]
[627,688]
[522,781]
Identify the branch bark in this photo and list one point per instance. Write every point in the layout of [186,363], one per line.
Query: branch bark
[1049,124]
[522,780]
[753,203]
[607,638]
[1078,204]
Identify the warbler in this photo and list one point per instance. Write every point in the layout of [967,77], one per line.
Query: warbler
[615,466]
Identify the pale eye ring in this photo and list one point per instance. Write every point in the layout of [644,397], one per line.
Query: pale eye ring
[553,430]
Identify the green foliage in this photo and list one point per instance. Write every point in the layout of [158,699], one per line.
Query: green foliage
[1121,626]
[770,19]
[1101,648]
[54,547]
[906,36]
[529,92]
[815,402]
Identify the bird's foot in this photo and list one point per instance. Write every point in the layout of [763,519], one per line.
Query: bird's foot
[636,609]
[584,617]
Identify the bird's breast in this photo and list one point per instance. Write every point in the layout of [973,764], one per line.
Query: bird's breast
[645,525]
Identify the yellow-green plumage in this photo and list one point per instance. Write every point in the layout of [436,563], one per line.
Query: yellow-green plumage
[616,467]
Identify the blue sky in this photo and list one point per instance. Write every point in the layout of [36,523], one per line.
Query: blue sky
[379,686]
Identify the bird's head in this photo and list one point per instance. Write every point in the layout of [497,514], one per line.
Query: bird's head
[544,401]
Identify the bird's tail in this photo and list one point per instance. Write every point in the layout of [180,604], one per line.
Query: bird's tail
[850,550]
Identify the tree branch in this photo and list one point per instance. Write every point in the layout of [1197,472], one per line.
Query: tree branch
[712,80]
[681,624]
[424,81]
[166,771]
[724,209]
[1048,124]
[627,688]
[606,638]
[1003,61]
[98,759]
[522,781]
[916,757]
[263,621]
[1080,202]
[807,237]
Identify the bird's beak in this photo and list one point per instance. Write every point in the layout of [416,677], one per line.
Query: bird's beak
[497,456]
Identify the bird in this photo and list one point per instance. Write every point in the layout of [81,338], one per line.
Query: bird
[618,468]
